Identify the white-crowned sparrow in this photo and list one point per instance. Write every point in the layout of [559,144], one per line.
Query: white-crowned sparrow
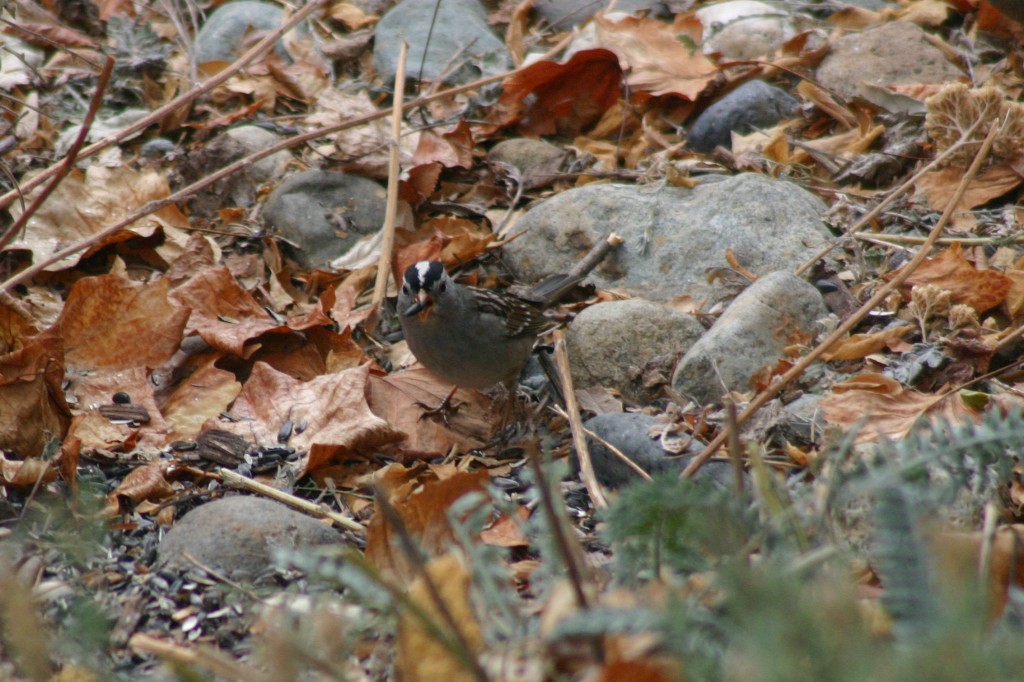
[467,336]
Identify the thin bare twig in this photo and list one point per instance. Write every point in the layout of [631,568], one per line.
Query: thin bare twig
[239,481]
[177,103]
[387,244]
[842,330]
[572,409]
[230,169]
[69,159]
[891,197]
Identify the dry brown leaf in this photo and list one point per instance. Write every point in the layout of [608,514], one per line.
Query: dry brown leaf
[16,326]
[94,387]
[84,204]
[951,271]
[27,473]
[548,98]
[421,658]
[885,407]
[110,322]
[333,407]
[96,432]
[506,531]
[423,504]
[1014,302]
[207,392]
[853,17]
[859,346]
[936,188]
[32,407]
[362,149]
[351,16]
[658,58]
[928,13]
[148,482]
[394,398]
[958,559]
[223,313]
[452,148]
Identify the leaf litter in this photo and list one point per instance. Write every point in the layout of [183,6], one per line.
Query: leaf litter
[214,336]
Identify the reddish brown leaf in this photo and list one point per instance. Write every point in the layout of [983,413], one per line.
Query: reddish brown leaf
[223,313]
[950,270]
[147,482]
[424,513]
[506,531]
[32,407]
[207,392]
[936,187]
[548,98]
[333,408]
[394,398]
[112,322]
[452,149]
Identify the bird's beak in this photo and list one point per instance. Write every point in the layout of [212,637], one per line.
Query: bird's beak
[422,302]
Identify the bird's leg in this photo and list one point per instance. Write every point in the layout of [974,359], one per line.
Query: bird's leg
[443,409]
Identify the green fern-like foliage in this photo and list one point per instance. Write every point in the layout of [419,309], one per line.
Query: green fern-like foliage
[903,562]
[940,460]
[679,526]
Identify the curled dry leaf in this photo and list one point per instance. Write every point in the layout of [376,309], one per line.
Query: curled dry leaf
[148,482]
[86,203]
[548,98]
[25,474]
[659,58]
[224,314]
[951,271]
[424,512]
[421,657]
[338,421]
[32,407]
[883,407]
[859,346]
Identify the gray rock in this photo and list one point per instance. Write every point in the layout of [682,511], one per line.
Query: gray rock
[893,53]
[744,29]
[220,37]
[628,432]
[462,45]
[252,139]
[753,105]
[609,343]
[769,224]
[525,153]
[321,214]
[804,419]
[238,189]
[752,333]
[239,534]
[565,15]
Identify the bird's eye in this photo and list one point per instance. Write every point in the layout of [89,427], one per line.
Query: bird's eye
[405,288]
[442,286]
